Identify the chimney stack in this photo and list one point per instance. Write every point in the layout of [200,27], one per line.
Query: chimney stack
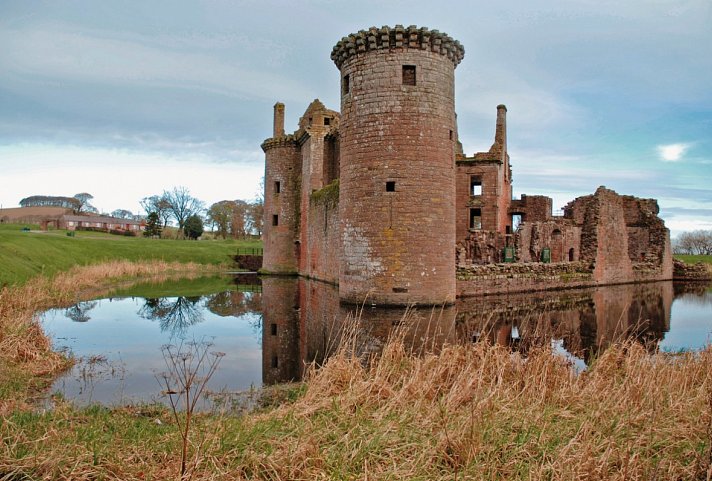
[278,120]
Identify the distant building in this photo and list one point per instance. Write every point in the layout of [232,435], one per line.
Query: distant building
[74,222]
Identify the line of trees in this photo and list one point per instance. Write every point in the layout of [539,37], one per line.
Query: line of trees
[227,218]
[79,203]
[698,242]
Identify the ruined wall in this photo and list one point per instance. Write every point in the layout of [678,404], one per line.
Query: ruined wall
[534,208]
[561,236]
[487,279]
[481,247]
[487,202]
[492,170]
[623,236]
[282,193]
[397,200]
[322,246]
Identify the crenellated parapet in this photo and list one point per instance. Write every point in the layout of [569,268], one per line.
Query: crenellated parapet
[281,141]
[398,37]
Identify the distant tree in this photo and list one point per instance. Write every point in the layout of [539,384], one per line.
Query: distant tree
[182,205]
[255,217]
[84,205]
[697,242]
[153,225]
[228,217]
[122,214]
[158,204]
[193,227]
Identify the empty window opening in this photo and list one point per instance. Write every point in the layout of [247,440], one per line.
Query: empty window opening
[275,219]
[476,219]
[347,84]
[451,135]
[273,329]
[275,362]
[517,220]
[327,121]
[571,254]
[391,186]
[475,185]
[408,74]
[400,290]
[277,187]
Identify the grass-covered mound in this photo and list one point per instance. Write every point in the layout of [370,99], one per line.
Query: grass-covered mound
[26,254]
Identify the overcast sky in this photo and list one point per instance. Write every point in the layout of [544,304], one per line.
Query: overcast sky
[124,99]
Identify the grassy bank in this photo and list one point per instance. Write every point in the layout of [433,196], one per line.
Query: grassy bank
[469,412]
[26,254]
[693,259]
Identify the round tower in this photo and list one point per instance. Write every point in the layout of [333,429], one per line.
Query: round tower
[281,199]
[397,155]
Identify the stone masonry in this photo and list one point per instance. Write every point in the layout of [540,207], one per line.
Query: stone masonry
[380,199]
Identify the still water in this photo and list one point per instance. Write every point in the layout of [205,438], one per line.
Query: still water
[271,328]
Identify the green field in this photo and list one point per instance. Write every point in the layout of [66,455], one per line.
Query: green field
[26,254]
[692,259]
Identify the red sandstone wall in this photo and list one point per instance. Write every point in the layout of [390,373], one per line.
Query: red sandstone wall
[283,165]
[489,202]
[398,245]
[323,242]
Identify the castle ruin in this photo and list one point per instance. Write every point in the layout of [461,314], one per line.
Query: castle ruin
[380,199]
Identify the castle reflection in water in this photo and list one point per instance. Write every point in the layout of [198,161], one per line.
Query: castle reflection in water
[304,322]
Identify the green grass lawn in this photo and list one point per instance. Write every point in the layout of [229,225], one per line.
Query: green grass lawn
[26,254]
[692,259]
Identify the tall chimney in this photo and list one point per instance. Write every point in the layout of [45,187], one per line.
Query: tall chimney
[278,120]
[500,135]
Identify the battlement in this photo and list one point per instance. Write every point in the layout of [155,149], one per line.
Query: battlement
[397,37]
[281,141]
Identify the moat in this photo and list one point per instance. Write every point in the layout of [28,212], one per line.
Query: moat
[271,328]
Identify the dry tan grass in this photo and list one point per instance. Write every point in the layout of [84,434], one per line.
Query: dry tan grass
[482,412]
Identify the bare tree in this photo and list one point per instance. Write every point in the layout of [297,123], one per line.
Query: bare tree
[158,204]
[182,204]
[697,242]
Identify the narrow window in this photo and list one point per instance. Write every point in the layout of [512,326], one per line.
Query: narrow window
[347,84]
[391,186]
[476,219]
[408,74]
[275,219]
[277,187]
[475,185]
[517,219]
[275,362]
[327,121]
[451,135]
[273,329]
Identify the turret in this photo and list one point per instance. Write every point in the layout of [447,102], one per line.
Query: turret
[397,153]
[281,197]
